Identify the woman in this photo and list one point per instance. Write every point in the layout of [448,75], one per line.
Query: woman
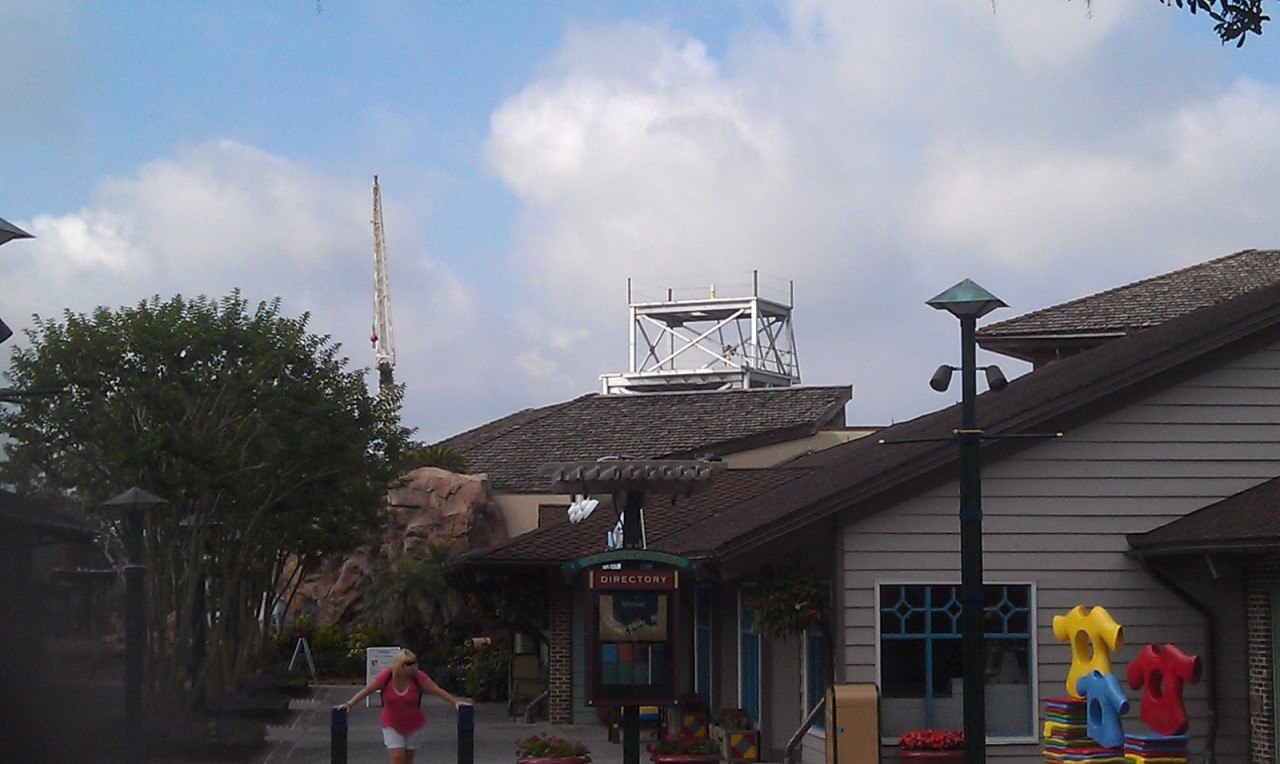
[404,725]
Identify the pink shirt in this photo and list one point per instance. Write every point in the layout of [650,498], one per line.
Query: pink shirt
[401,711]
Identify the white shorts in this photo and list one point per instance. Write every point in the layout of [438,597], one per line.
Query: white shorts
[412,741]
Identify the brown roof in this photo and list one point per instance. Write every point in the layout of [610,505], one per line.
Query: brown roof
[1152,301]
[556,541]
[1248,520]
[39,519]
[513,449]
[864,475]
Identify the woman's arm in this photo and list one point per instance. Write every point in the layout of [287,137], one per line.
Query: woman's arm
[426,684]
[377,683]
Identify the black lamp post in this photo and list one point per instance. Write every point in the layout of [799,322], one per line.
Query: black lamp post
[9,232]
[968,302]
[135,501]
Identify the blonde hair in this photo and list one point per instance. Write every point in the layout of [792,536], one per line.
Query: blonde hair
[402,657]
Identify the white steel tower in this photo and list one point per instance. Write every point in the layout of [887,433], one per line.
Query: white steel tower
[718,342]
[383,339]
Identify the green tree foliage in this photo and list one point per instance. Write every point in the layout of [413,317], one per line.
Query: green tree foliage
[264,444]
[411,597]
[1233,20]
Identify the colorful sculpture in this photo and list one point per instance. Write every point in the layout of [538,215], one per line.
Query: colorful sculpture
[1085,728]
[1093,635]
[1159,671]
[1107,704]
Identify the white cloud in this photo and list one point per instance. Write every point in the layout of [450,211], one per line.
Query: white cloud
[224,215]
[878,153]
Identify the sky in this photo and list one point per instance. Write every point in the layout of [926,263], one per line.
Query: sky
[534,156]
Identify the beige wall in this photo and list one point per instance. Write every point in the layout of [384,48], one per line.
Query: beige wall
[520,510]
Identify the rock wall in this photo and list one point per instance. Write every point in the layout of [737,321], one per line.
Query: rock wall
[430,505]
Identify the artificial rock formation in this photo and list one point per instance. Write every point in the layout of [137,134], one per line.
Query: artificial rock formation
[430,505]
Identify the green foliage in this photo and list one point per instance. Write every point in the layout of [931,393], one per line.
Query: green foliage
[544,746]
[485,672]
[788,602]
[1234,20]
[439,455]
[252,428]
[411,598]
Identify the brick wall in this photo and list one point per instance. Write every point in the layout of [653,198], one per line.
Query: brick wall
[560,652]
[1263,577]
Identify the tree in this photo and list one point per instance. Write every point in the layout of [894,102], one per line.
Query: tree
[1233,19]
[265,445]
[411,597]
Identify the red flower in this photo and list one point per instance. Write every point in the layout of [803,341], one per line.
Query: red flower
[931,740]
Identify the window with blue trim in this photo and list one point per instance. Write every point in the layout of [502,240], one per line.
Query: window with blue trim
[702,642]
[748,663]
[815,673]
[921,658]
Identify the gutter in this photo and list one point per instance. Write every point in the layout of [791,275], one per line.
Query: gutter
[1210,646]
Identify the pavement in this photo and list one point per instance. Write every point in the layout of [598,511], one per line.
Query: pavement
[308,739]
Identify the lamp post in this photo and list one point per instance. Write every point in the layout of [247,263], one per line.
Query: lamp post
[9,232]
[968,302]
[135,501]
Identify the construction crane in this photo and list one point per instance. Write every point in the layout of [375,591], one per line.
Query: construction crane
[384,346]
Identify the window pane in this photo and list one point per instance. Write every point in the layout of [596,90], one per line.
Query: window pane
[922,657]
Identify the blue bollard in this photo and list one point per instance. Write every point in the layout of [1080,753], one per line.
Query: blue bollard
[466,734]
[338,736]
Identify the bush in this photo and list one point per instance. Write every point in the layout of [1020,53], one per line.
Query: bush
[485,675]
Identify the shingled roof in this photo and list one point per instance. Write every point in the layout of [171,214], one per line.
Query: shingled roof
[513,449]
[1070,327]
[556,541]
[40,520]
[866,475]
[1246,521]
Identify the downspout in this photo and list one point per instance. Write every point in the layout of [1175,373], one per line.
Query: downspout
[1210,646]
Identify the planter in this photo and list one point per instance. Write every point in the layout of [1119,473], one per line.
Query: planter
[933,757]
[693,723]
[684,758]
[554,760]
[738,745]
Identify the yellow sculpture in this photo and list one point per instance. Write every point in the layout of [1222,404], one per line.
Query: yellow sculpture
[1093,635]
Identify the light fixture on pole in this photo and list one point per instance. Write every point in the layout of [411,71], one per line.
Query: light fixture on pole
[134,501]
[9,232]
[968,302]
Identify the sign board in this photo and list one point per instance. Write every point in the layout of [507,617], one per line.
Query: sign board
[375,660]
[632,636]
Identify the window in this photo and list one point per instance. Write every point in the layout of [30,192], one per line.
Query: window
[702,641]
[748,663]
[815,673]
[921,658]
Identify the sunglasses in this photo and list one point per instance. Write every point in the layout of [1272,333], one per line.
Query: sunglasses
[410,663]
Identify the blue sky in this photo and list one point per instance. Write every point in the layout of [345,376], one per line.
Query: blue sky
[534,156]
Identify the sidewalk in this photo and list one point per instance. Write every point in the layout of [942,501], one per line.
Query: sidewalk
[306,739]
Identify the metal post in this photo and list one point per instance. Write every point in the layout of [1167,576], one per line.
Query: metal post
[338,736]
[971,589]
[466,733]
[631,714]
[135,633]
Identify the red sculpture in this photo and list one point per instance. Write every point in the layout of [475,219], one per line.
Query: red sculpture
[1160,672]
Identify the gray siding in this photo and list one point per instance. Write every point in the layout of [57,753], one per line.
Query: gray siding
[1056,515]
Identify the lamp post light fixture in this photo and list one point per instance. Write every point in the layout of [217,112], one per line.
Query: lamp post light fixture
[134,501]
[9,232]
[968,302]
